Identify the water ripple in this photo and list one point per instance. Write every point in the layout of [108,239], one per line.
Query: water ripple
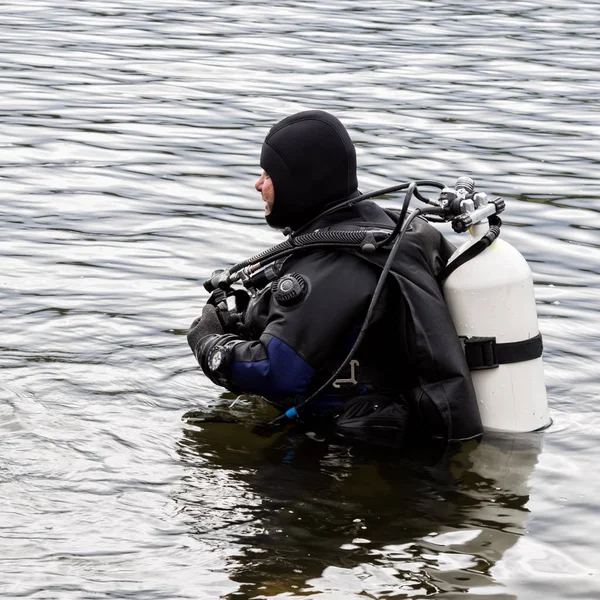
[131,138]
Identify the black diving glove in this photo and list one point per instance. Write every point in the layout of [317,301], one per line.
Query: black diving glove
[207,324]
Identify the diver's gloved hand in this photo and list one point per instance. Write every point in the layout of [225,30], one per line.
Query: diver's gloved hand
[207,324]
[231,318]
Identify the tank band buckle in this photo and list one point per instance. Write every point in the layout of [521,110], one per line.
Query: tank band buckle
[481,353]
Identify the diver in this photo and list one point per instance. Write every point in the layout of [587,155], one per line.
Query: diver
[408,380]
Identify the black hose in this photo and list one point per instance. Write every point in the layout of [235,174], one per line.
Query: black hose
[407,198]
[306,240]
[297,238]
[382,192]
[477,248]
[292,412]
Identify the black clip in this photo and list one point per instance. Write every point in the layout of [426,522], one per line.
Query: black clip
[481,353]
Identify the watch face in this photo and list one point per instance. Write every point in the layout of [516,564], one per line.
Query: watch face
[215,360]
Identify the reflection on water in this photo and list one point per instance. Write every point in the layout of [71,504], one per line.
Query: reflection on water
[315,518]
[130,143]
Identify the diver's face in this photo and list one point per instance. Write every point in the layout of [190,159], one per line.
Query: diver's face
[264,185]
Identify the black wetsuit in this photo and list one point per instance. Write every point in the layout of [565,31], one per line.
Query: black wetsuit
[409,375]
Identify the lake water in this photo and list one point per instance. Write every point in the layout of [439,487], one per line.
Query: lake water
[130,140]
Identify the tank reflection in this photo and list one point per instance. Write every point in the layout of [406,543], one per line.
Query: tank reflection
[299,516]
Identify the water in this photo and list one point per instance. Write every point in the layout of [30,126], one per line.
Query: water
[130,141]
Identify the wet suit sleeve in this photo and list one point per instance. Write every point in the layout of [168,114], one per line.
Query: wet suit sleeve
[298,340]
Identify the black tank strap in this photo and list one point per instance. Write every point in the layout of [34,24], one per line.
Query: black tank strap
[486,353]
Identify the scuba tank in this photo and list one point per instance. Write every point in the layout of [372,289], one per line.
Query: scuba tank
[491,299]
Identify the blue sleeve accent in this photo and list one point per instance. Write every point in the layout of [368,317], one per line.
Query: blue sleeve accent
[282,373]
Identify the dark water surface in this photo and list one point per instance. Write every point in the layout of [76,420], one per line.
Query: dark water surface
[130,141]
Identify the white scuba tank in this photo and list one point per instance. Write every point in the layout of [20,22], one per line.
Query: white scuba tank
[492,295]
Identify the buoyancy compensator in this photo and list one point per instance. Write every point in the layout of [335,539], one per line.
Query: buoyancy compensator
[487,286]
[491,299]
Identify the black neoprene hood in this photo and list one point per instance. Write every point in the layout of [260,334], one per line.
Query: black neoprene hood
[312,163]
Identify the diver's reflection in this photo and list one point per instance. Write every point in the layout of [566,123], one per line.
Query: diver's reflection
[311,516]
